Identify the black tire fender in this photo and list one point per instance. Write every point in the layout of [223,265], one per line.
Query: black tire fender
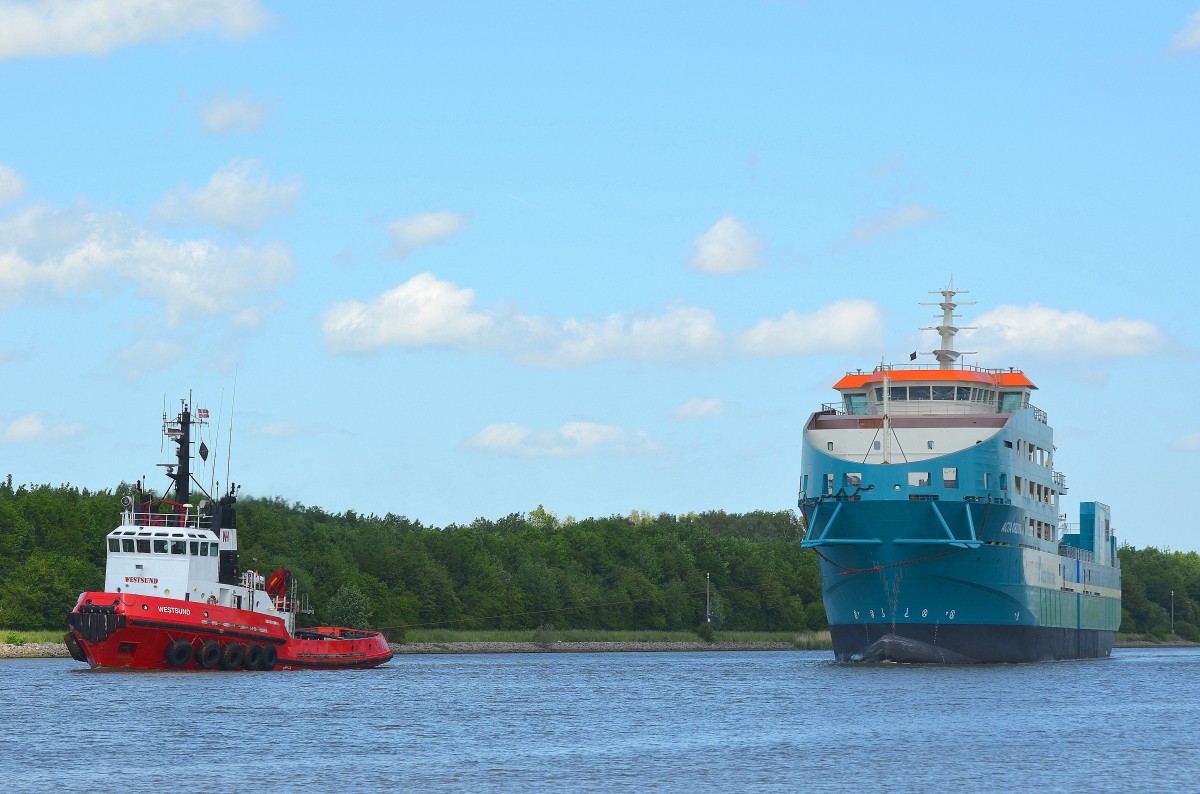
[178,652]
[208,653]
[232,655]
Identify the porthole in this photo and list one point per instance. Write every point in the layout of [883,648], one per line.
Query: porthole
[146,606]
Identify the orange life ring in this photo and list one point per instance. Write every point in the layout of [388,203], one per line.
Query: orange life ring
[212,599]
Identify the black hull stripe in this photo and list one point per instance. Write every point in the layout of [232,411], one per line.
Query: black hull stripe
[215,631]
[959,644]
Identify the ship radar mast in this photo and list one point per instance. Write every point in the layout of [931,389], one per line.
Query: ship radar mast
[946,355]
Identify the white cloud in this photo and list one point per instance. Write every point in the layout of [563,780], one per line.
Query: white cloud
[1188,443]
[283,430]
[572,439]
[1189,37]
[893,222]
[29,427]
[848,325]
[94,27]
[12,186]
[237,114]
[422,311]
[409,234]
[728,247]
[77,249]
[682,333]
[697,408]
[237,196]
[426,311]
[1039,331]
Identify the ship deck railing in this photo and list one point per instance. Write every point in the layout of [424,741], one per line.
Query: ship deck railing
[142,518]
[1076,553]
[961,366]
[929,408]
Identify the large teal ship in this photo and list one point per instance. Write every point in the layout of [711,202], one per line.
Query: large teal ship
[932,504]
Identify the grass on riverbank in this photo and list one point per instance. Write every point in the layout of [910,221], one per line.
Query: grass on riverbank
[1153,639]
[806,640]
[14,637]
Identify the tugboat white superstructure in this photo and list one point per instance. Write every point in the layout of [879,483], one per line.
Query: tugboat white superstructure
[174,596]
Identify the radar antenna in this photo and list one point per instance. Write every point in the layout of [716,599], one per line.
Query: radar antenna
[946,355]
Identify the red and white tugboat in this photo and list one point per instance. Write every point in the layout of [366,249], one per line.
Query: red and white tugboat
[174,597]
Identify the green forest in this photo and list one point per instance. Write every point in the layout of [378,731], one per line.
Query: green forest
[523,571]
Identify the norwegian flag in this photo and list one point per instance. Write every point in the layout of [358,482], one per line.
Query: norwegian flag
[201,413]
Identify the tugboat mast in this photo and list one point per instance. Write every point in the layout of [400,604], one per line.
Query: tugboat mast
[180,431]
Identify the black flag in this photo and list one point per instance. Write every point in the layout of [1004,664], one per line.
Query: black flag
[912,356]
[203,452]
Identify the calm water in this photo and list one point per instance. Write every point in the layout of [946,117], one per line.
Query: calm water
[590,722]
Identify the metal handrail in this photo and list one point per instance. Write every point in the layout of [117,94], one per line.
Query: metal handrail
[151,519]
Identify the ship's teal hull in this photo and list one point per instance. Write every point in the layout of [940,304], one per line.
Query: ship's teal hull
[939,581]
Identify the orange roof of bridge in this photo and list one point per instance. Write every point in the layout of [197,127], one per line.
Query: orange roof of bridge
[1014,379]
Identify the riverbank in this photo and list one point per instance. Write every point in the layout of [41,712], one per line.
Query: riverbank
[55,650]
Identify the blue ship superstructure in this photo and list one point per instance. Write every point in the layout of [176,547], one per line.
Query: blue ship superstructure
[932,503]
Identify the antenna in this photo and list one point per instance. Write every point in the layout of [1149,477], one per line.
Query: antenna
[212,483]
[229,446]
[946,355]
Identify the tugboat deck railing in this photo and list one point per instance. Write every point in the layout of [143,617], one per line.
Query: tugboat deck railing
[153,520]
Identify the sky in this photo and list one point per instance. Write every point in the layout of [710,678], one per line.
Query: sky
[461,259]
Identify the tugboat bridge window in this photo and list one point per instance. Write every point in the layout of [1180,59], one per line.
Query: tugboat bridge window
[127,544]
[143,545]
[114,544]
[178,547]
[160,546]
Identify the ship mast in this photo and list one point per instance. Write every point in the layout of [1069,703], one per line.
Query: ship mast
[946,355]
[180,431]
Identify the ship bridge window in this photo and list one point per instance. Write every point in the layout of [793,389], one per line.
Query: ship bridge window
[143,545]
[856,404]
[1010,401]
[879,395]
[195,548]
[964,393]
[943,392]
[160,546]
[898,393]
[918,392]
[179,547]
[114,544]
[127,544]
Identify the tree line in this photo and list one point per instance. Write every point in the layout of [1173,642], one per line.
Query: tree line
[745,571]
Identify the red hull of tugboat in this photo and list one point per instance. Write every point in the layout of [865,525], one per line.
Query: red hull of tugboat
[126,630]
